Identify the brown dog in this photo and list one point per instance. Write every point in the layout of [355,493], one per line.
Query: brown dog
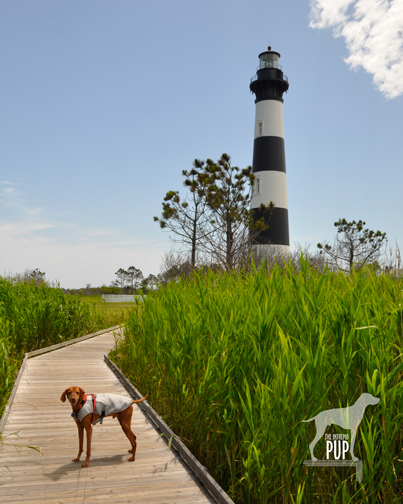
[77,398]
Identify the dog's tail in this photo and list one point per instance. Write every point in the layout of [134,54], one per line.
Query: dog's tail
[310,420]
[140,400]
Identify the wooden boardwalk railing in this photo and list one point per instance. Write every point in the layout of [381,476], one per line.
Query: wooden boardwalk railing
[40,419]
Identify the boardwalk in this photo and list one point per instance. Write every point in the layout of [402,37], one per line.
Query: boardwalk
[42,420]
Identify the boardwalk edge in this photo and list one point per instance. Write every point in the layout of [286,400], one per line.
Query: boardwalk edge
[12,395]
[191,461]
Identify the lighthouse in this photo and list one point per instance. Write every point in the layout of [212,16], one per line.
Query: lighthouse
[268,85]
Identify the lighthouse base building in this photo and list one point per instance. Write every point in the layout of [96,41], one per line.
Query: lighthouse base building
[269,168]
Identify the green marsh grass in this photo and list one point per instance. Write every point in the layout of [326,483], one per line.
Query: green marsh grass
[234,362]
[33,317]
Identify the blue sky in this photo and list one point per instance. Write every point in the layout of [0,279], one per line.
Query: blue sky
[104,103]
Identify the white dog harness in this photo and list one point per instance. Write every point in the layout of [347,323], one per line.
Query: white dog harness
[102,405]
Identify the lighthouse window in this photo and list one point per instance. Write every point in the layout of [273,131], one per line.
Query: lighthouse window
[260,128]
[269,60]
[257,186]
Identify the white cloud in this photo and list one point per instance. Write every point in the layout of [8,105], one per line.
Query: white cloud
[34,211]
[13,199]
[10,196]
[9,183]
[373,30]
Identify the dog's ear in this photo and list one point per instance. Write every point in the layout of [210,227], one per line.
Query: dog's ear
[63,398]
[82,393]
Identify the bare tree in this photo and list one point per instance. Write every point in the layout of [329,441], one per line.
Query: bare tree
[134,277]
[354,246]
[185,218]
[230,228]
[150,283]
[173,266]
[129,279]
[35,276]
[120,281]
[393,262]
[315,259]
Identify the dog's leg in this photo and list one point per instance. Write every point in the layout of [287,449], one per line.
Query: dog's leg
[88,431]
[320,430]
[125,419]
[353,435]
[80,441]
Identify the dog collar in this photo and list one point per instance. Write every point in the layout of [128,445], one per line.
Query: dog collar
[75,412]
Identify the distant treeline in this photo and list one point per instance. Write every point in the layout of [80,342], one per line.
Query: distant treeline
[95,291]
[98,291]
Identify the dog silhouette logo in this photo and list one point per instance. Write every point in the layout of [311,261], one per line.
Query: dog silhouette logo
[346,418]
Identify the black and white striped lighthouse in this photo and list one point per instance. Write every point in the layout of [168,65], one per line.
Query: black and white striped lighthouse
[268,85]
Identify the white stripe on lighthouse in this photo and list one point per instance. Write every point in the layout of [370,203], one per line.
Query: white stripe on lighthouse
[269,118]
[272,187]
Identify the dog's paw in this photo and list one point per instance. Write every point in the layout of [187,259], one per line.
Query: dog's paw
[84,464]
[130,451]
[131,459]
[76,459]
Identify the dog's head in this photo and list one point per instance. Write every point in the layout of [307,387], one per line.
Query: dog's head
[74,394]
[369,399]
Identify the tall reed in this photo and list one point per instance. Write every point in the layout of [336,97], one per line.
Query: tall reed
[234,362]
[33,317]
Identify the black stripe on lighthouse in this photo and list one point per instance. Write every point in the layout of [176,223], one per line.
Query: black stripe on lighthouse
[268,154]
[277,233]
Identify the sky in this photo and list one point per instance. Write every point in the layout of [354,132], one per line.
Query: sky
[104,103]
